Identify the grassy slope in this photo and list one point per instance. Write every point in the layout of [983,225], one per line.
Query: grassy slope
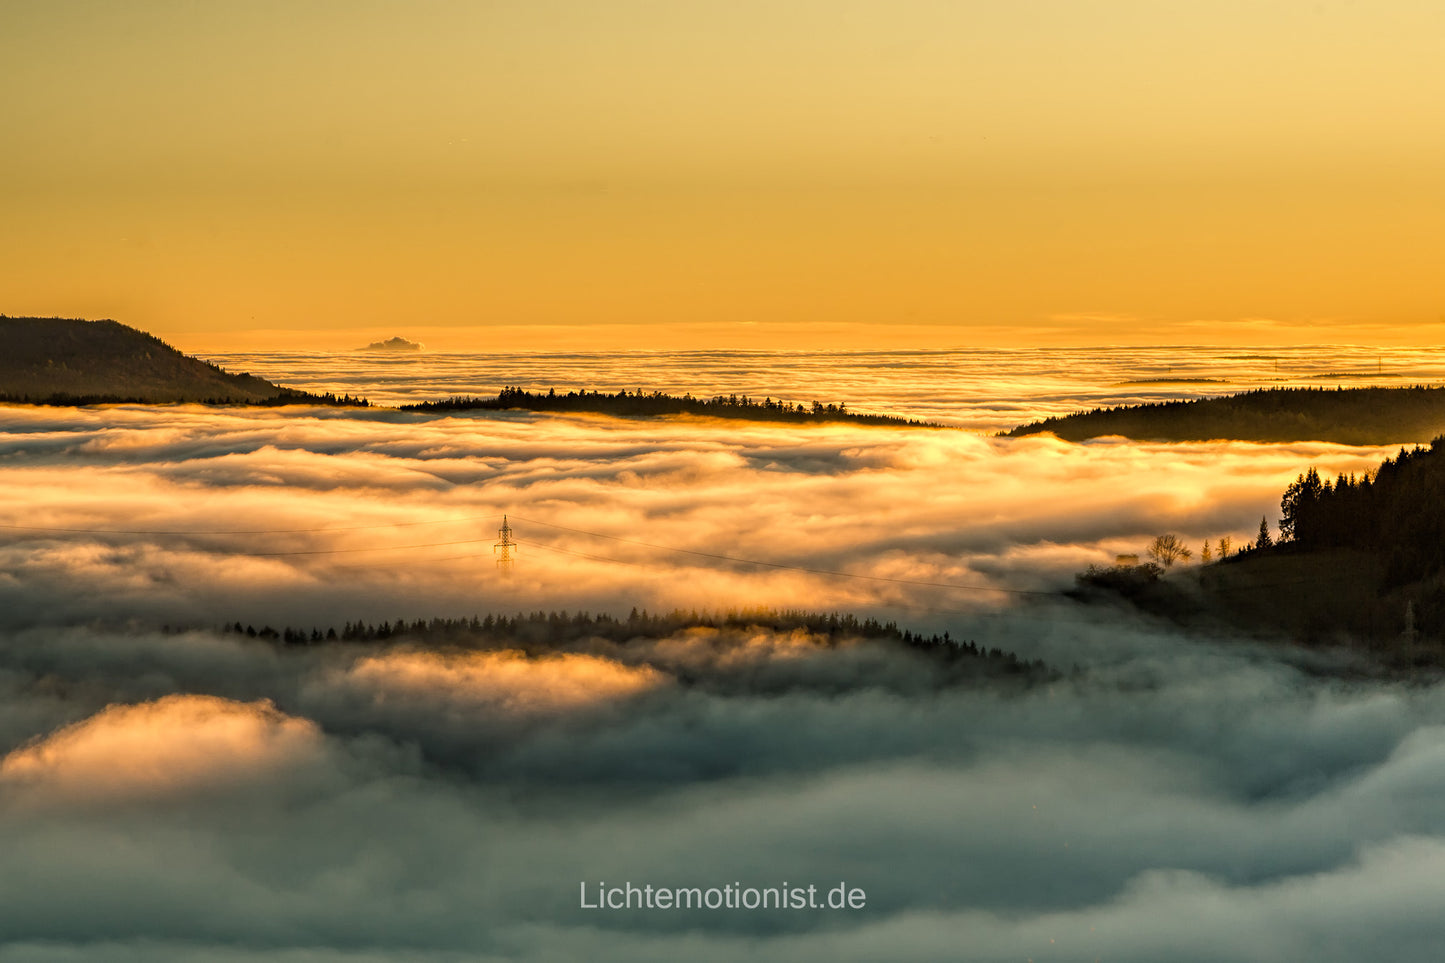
[1331,597]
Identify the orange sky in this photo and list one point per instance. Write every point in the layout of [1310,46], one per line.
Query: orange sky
[739,173]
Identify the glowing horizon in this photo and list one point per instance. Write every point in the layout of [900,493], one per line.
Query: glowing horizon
[1050,173]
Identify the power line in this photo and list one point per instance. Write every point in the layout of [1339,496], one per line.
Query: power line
[785,567]
[1272,583]
[595,558]
[1012,615]
[781,566]
[577,531]
[374,548]
[249,531]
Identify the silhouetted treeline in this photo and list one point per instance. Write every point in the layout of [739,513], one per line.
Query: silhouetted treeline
[632,404]
[1351,416]
[1397,512]
[288,397]
[546,631]
[291,396]
[1126,581]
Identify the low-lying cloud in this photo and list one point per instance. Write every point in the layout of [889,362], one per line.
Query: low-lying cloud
[505,682]
[988,389]
[194,793]
[156,750]
[388,801]
[319,516]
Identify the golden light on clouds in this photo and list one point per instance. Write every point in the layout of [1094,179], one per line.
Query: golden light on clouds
[1055,171]
[174,745]
[505,681]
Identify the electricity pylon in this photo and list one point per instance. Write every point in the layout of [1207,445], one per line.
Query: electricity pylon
[504,560]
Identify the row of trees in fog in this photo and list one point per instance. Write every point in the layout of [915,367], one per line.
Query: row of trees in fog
[637,403]
[1352,416]
[1216,551]
[562,626]
[545,631]
[1168,550]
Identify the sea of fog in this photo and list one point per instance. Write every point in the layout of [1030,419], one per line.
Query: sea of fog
[171,791]
[989,389]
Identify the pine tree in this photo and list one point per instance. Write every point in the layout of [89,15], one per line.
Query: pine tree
[1264,540]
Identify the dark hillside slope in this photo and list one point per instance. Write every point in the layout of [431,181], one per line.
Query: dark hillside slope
[48,358]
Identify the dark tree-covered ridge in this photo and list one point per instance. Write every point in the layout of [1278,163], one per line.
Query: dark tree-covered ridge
[539,633]
[635,404]
[1351,416]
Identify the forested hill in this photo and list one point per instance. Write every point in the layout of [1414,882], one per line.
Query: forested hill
[635,404]
[1350,416]
[1359,562]
[1358,558]
[63,360]
[728,653]
[1397,513]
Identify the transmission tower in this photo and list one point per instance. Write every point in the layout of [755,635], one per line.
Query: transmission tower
[504,560]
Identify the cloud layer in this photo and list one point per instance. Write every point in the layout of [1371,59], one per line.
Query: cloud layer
[1179,799]
[317,516]
[981,388]
[198,794]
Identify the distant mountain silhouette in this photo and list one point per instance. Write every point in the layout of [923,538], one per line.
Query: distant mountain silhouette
[1350,416]
[66,360]
[393,344]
